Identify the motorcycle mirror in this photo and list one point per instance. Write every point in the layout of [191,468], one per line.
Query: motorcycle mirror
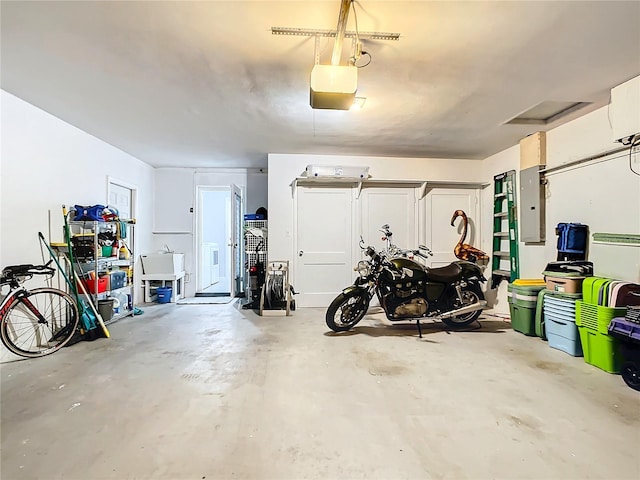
[362,244]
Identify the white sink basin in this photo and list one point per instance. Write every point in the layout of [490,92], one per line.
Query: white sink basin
[163,263]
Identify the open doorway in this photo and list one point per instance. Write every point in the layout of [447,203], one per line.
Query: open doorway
[218,241]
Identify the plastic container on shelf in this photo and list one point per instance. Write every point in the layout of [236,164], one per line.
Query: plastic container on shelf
[123,300]
[164,294]
[105,307]
[90,285]
[118,279]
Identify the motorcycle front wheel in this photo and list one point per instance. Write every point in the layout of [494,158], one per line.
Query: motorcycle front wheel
[347,310]
[472,293]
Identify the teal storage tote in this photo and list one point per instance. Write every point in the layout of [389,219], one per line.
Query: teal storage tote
[164,294]
[522,307]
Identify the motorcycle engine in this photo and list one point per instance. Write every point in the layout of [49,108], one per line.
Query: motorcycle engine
[405,300]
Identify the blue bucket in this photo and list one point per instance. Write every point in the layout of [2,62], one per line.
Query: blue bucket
[164,294]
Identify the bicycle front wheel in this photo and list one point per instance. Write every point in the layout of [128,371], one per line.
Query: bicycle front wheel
[39,323]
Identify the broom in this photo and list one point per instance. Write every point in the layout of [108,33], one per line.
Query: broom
[67,233]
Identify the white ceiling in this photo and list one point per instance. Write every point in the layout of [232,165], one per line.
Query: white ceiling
[206,84]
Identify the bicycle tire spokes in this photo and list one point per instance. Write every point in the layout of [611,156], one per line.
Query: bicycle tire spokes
[39,323]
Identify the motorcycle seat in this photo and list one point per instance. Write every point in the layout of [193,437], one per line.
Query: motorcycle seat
[444,274]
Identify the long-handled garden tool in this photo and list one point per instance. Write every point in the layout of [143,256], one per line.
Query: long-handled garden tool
[80,282]
[87,318]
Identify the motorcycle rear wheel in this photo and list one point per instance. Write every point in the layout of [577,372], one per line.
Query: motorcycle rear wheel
[347,310]
[471,294]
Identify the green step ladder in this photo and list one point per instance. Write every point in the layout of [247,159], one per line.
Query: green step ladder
[505,229]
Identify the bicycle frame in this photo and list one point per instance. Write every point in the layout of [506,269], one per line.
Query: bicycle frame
[21,294]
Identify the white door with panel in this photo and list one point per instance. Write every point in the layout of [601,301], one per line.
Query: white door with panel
[441,237]
[393,206]
[122,197]
[237,256]
[324,243]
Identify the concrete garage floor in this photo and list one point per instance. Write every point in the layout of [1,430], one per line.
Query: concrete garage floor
[214,392]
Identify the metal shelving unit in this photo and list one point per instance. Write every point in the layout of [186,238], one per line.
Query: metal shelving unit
[91,266]
[255,246]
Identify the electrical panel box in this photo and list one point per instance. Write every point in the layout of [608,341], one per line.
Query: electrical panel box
[532,206]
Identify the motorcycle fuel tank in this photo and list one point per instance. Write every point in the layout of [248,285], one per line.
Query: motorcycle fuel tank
[407,269]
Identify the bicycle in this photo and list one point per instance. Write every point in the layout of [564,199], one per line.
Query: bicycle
[36,322]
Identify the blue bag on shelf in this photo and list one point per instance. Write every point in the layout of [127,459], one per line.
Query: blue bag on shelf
[88,214]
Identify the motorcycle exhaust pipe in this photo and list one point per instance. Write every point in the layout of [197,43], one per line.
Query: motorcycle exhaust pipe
[468,309]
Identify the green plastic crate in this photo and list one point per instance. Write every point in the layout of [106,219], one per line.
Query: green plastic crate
[522,307]
[596,317]
[600,350]
[522,318]
[524,295]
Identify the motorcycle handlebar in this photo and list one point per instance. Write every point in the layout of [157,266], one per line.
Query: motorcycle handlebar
[371,252]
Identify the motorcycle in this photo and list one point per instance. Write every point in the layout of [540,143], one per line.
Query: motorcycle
[408,290]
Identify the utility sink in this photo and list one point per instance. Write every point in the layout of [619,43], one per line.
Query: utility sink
[163,263]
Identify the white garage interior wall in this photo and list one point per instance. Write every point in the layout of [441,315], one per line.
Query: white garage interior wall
[47,163]
[603,194]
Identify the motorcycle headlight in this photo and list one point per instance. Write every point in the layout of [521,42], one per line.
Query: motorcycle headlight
[363,268]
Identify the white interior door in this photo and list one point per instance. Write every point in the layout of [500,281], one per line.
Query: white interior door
[122,197]
[324,244]
[441,237]
[393,206]
[236,241]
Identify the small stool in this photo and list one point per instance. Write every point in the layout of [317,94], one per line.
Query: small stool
[176,281]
